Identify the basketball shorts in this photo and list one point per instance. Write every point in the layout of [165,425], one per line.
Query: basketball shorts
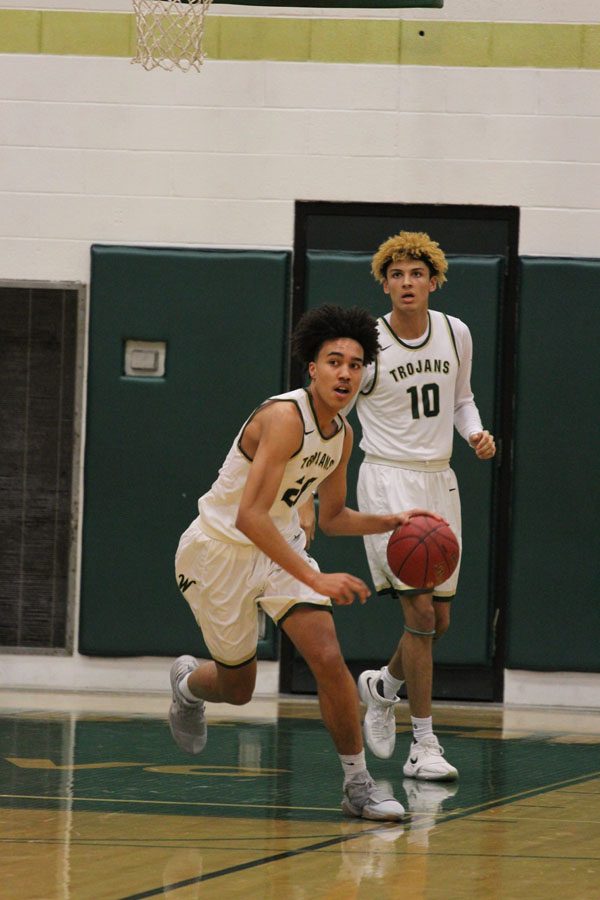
[385,489]
[227,584]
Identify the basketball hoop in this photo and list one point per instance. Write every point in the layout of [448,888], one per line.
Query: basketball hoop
[169,33]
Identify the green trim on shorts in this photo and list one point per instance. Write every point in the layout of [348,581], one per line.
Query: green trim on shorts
[234,665]
[326,607]
[408,592]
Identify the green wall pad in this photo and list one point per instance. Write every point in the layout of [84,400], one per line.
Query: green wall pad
[554,618]
[154,444]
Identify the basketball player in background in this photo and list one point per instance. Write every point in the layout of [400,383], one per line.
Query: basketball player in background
[410,400]
[246,549]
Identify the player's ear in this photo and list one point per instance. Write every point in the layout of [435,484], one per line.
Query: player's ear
[312,369]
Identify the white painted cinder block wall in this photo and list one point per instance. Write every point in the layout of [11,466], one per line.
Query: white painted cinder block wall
[96,150]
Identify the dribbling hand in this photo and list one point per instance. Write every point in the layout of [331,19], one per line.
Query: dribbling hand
[390,523]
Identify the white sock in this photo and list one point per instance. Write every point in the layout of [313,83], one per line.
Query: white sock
[421,728]
[185,691]
[352,765]
[390,685]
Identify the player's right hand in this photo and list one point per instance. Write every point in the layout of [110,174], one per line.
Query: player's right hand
[341,587]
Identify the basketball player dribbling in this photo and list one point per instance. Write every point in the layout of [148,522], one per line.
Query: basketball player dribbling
[410,400]
[246,549]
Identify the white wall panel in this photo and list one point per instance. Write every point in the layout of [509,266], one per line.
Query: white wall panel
[147,219]
[334,133]
[79,79]
[331,86]
[218,158]
[33,169]
[567,232]
[571,93]
[45,259]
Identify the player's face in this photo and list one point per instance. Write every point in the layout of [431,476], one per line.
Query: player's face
[337,371]
[409,284]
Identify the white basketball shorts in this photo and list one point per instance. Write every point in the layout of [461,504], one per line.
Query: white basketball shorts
[225,585]
[385,489]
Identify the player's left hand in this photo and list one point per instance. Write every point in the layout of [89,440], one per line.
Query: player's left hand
[483,444]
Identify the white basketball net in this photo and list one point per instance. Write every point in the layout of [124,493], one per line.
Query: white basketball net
[169,33]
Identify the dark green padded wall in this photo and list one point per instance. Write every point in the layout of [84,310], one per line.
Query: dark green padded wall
[154,445]
[473,294]
[554,620]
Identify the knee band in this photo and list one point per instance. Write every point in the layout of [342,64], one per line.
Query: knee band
[419,633]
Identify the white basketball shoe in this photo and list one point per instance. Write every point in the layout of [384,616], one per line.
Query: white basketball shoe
[363,799]
[379,725]
[186,720]
[426,761]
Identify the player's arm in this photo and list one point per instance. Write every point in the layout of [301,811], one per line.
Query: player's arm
[280,432]
[335,518]
[466,415]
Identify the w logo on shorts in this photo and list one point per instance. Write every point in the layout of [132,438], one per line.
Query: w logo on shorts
[184,583]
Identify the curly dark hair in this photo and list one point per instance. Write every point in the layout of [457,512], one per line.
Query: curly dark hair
[328,323]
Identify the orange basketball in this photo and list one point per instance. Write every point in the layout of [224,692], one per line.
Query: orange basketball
[423,553]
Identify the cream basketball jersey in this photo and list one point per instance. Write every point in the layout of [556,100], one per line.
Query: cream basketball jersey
[416,392]
[316,457]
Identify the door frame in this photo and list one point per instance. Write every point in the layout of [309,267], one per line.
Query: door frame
[294,675]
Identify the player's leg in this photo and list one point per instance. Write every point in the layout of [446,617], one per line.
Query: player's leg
[193,683]
[380,490]
[222,684]
[415,651]
[441,608]
[312,632]
[426,757]
[447,503]
[216,580]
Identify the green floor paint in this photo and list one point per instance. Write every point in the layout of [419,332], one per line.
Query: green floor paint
[286,770]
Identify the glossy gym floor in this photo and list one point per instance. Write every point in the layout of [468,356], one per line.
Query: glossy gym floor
[97,803]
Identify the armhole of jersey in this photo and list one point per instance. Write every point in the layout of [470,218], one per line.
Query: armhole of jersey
[262,406]
[374,382]
[452,338]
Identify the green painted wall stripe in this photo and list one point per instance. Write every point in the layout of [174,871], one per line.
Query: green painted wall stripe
[379,41]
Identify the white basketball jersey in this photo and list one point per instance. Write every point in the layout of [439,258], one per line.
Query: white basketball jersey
[316,457]
[407,412]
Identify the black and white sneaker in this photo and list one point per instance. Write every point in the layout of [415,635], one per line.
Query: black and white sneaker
[426,761]
[379,726]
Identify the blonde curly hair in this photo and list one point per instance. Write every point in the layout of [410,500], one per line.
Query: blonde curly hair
[414,245]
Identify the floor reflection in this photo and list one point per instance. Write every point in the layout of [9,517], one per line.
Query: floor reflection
[102,804]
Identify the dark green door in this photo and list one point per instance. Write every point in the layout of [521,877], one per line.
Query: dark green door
[466,659]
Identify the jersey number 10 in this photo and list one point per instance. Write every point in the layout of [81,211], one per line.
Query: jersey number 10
[430,399]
